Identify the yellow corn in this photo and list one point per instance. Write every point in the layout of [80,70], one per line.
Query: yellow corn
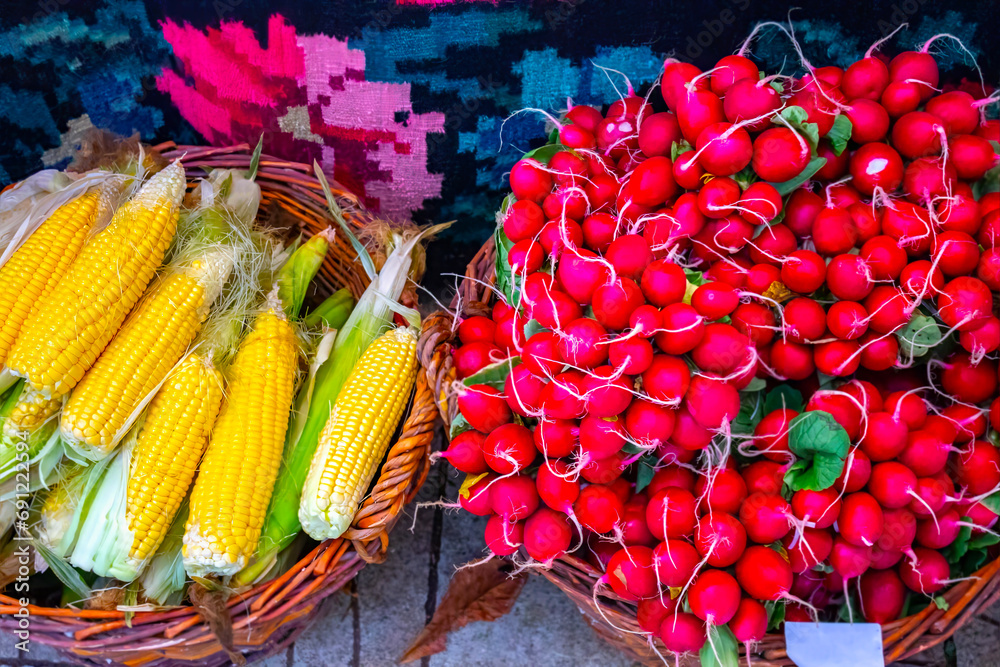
[150,342]
[31,272]
[237,476]
[84,311]
[169,446]
[357,435]
[31,411]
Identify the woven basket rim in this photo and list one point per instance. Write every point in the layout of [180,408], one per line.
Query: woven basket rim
[270,615]
[902,638]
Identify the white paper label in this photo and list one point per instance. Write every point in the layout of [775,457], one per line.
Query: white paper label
[835,644]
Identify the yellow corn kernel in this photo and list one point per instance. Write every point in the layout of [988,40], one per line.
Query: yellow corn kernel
[31,272]
[168,447]
[150,342]
[357,435]
[83,312]
[237,476]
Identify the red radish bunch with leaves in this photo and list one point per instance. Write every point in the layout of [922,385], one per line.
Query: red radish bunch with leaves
[743,352]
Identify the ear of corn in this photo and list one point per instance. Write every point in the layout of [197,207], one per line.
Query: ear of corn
[149,344]
[237,475]
[144,486]
[27,432]
[358,433]
[83,312]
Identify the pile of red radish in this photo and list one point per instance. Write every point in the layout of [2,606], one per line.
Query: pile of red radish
[743,355]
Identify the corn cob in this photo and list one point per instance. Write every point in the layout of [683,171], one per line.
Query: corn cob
[159,465]
[150,342]
[31,411]
[238,473]
[358,433]
[35,269]
[85,309]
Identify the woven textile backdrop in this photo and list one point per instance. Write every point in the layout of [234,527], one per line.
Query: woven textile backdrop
[406,101]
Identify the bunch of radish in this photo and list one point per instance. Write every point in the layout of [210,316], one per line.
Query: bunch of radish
[743,352]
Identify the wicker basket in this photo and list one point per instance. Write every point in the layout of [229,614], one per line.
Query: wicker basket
[615,620]
[271,615]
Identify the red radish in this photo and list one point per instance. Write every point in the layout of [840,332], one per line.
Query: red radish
[876,165]
[568,202]
[764,477]
[754,321]
[849,560]
[477,499]
[751,98]
[510,333]
[676,79]
[562,397]
[724,149]
[968,423]
[917,134]
[714,597]
[959,213]
[652,181]
[672,475]
[471,358]
[614,303]
[819,507]
[509,448]
[580,273]
[956,253]
[849,277]
[910,226]
[465,453]
[717,198]
[503,537]
[807,550]
[765,517]
[763,573]
[688,171]
[989,230]
[529,181]
[882,596]
[846,320]
[632,356]
[885,437]
[675,562]
[586,117]
[682,633]
[483,407]
[898,531]
[918,67]
[760,278]
[892,484]
[553,311]
[979,514]
[555,486]
[867,224]
[650,612]
[599,230]
[921,279]
[569,168]
[971,156]
[575,136]
[721,350]
[598,508]
[926,572]
[965,303]
[720,539]
[514,497]
[749,625]
[779,155]
[819,110]
[833,231]
[711,402]
[838,358]
[635,532]
[696,110]
[731,69]
[840,405]
[791,361]
[663,283]
[630,572]
[601,189]
[667,379]
[649,424]
[601,438]
[940,533]
[803,320]
[988,269]
[556,437]
[928,179]
[968,381]
[979,468]
[683,329]
[802,207]
[657,134]
[547,535]
[582,343]
[884,257]
[932,495]
[629,254]
[900,98]
[477,329]
[726,493]
[843,194]
[761,202]
[887,308]
[908,407]
[606,470]
[606,394]
[866,78]
[540,355]
[860,521]
[670,513]
[983,339]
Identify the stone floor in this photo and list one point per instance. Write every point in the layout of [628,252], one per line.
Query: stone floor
[544,630]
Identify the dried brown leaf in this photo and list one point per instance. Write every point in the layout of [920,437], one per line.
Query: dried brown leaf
[211,604]
[483,592]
